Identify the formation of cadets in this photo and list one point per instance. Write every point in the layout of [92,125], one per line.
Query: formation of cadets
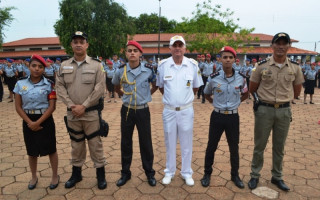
[131,81]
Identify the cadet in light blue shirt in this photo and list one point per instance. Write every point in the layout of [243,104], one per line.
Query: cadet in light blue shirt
[310,80]
[229,89]
[236,66]
[135,79]
[116,62]
[110,71]
[26,71]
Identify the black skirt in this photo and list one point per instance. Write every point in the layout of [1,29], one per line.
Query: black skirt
[110,86]
[11,81]
[42,142]
[309,86]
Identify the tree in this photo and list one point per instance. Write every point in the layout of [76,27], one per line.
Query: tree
[210,29]
[5,20]
[105,22]
[146,24]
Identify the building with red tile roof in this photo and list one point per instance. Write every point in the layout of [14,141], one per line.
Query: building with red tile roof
[51,47]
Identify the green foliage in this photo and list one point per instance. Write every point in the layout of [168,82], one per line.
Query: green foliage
[105,22]
[5,20]
[210,29]
[146,24]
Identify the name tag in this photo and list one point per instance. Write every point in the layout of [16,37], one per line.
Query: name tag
[67,67]
[168,78]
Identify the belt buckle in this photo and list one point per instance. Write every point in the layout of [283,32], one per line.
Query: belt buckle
[32,111]
[276,105]
[226,112]
[177,109]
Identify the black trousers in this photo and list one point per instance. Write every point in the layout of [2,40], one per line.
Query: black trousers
[140,118]
[218,124]
[201,89]
[1,89]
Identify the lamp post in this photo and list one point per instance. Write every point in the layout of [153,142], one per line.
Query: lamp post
[159,32]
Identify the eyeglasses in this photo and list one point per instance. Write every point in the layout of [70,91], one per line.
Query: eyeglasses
[132,50]
[177,45]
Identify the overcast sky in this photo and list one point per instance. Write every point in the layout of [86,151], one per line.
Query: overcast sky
[300,19]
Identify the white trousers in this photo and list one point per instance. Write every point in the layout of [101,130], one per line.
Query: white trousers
[178,124]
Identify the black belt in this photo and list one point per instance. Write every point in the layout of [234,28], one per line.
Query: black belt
[96,107]
[276,105]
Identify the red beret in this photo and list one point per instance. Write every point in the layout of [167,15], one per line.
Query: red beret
[48,60]
[313,63]
[39,58]
[202,56]
[199,56]
[208,55]
[229,49]
[136,44]
[237,60]
[254,60]
[109,62]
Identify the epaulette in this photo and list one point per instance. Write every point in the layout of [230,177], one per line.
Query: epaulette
[193,61]
[121,66]
[244,76]
[149,66]
[262,61]
[294,62]
[96,59]
[214,74]
[162,61]
[21,78]
[50,81]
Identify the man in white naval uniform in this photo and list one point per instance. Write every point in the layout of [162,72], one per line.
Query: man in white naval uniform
[178,79]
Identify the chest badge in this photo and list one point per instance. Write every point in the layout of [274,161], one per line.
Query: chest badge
[188,83]
[24,88]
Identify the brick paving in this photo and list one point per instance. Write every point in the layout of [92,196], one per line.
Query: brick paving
[301,161]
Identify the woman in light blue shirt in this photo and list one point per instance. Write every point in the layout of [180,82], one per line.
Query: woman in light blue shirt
[310,77]
[35,101]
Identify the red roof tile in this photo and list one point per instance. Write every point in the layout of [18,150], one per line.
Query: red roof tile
[33,42]
[45,53]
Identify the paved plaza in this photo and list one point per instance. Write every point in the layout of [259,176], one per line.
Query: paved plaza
[301,161]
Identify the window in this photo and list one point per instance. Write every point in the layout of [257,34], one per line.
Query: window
[54,48]
[8,49]
[35,49]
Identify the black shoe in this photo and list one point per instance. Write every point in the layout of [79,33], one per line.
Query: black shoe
[31,187]
[203,101]
[198,97]
[205,181]
[123,180]
[54,186]
[237,181]
[152,181]
[75,177]
[102,183]
[253,183]
[311,102]
[280,184]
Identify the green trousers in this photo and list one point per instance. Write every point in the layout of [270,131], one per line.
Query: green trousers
[267,119]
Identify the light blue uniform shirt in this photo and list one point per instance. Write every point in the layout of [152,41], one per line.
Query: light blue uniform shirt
[310,74]
[116,64]
[143,76]
[19,67]
[110,72]
[207,69]
[34,96]
[56,66]
[306,67]
[218,66]
[246,70]
[236,67]
[226,91]
[10,71]
[49,71]
[26,70]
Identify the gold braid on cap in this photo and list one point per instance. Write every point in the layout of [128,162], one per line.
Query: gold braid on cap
[124,79]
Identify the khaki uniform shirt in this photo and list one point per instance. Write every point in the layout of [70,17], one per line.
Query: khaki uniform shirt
[275,83]
[81,85]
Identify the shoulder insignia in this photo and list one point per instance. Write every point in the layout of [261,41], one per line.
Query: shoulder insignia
[96,59]
[50,81]
[262,61]
[214,74]
[121,66]
[21,78]
[294,62]
[193,61]
[162,61]
[244,76]
[148,66]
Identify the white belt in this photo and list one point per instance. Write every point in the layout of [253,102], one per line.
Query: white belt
[136,107]
[178,108]
[226,112]
[36,111]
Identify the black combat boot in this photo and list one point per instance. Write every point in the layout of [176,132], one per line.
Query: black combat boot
[102,183]
[75,177]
